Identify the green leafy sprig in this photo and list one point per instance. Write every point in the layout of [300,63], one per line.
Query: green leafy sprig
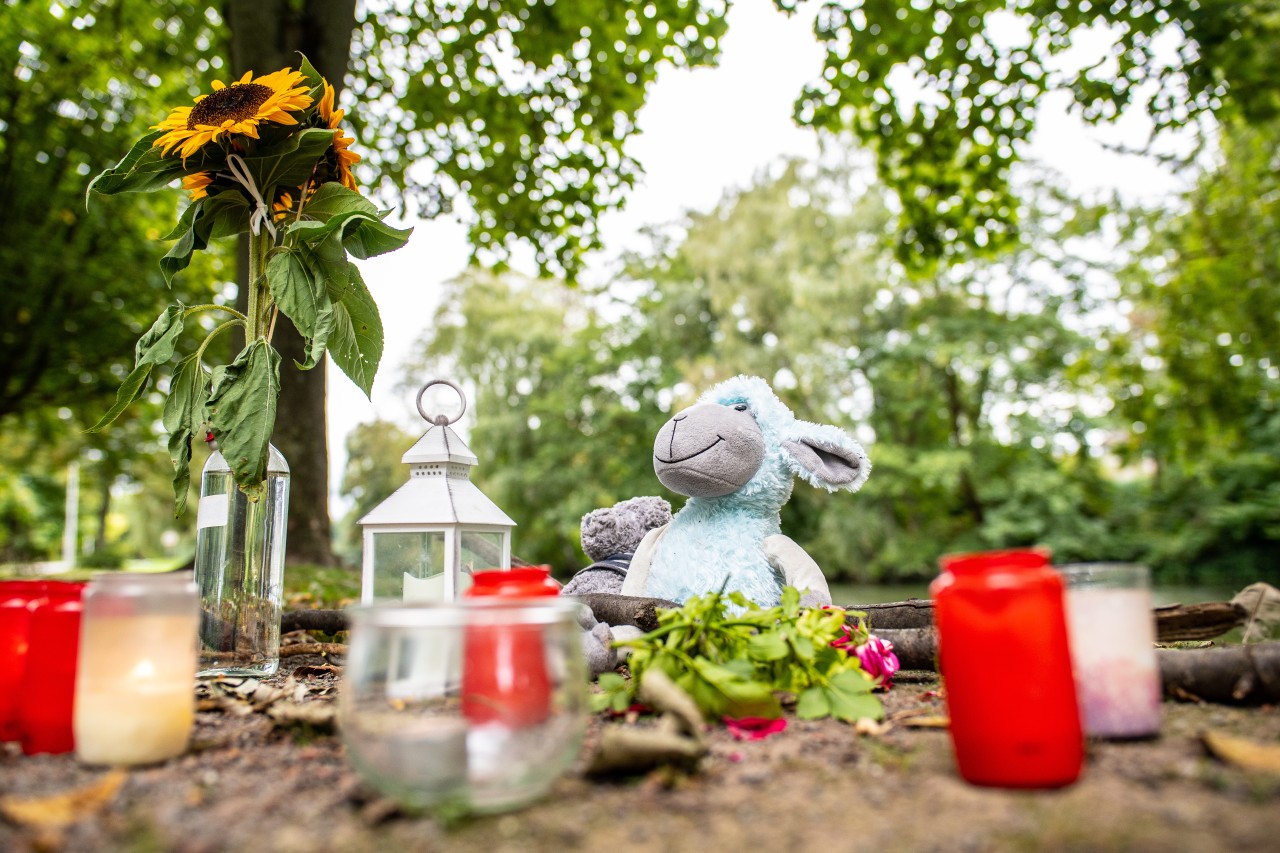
[301,269]
[737,664]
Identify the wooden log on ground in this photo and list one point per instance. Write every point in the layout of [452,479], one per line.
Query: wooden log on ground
[324,621]
[916,648]
[625,609]
[1231,675]
[1182,622]
[912,613]
[1174,622]
[613,609]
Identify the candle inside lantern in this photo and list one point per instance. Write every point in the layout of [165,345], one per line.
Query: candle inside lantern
[1113,649]
[135,702]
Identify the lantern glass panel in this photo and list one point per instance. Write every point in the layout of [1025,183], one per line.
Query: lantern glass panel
[480,551]
[409,565]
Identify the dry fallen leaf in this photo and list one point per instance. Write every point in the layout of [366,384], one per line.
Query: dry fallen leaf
[1261,603]
[318,669]
[1246,754]
[59,810]
[930,722]
[319,715]
[868,726]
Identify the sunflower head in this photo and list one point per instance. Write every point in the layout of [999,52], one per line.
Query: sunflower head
[234,111]
[197,183]
[338,163]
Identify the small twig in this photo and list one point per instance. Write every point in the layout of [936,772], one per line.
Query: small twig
[313,649]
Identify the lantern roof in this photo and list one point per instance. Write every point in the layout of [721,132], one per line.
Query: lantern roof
[440,444]
[439,490]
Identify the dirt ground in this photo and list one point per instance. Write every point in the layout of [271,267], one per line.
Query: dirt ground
[247,784]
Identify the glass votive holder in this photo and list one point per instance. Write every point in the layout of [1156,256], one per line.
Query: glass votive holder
[475,704]
[47,695]
[15,632]
[135,687]
[1113,635]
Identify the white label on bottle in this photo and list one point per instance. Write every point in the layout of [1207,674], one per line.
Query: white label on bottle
[213,512]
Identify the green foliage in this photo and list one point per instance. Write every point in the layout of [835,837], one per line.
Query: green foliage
[1197,379]
[947,94]
[321,587]
[373,472]
[75,290]
[523,107]
[303,272]
[981,390]
[734,658]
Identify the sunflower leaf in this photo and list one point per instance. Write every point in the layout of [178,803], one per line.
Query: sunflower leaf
[372,237]
[191,235]
[289,162]
[364,235]
[314,81]
[304,299]
[183,225]
[333,198]
[242,412]
[130,390]
[141,170]
[157,344]
[228,214]
[356,340]
[222,215]
[183,410]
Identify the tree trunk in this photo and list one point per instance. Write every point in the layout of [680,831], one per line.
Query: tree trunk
[267,35]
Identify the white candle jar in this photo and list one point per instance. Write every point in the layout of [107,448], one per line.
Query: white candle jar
[135,683]
[1113,635]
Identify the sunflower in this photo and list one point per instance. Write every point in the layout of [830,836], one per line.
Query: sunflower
[232,110]
[197,183]
[346,159]
[282,206]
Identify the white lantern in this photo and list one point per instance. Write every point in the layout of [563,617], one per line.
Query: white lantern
[425,540]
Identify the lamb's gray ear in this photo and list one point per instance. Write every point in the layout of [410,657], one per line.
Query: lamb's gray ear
[827,456]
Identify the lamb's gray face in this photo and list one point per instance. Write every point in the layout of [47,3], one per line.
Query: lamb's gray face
[708,450]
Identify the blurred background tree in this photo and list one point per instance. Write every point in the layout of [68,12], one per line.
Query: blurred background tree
[953,312]
[985,390]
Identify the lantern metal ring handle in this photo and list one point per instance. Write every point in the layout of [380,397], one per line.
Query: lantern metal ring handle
[441,420]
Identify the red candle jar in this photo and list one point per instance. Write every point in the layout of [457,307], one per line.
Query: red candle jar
[15,627]
[504,671]
[47,698]
[1006,663]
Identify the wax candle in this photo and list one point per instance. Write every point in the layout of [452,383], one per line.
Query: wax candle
[135,702]
[1006,664]
[15,630]
[1113,638]
[504,675]
[49,673]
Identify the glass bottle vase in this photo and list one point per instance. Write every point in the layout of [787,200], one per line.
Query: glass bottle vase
[240,569]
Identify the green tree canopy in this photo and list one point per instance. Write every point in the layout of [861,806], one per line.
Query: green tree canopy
[957,380]
[947,93]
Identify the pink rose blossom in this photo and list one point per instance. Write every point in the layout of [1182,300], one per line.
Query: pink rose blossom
[878,660]
[754,728]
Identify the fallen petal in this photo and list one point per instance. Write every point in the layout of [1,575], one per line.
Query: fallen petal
[754,728]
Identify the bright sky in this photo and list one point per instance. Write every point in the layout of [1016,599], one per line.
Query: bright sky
[703,132]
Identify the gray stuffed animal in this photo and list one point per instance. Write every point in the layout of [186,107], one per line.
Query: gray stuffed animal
[609,537]
[736,454]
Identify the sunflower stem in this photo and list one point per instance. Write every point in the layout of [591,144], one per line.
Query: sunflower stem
[259,294]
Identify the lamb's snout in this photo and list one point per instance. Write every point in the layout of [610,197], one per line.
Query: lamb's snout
[708,450]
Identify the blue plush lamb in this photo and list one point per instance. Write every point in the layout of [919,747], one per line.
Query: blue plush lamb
[735,455]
